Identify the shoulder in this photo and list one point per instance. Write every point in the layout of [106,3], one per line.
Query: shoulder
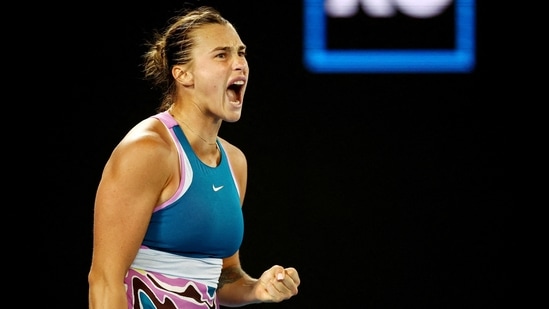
[141,170]
[235,155]
[148,141]
[149,134]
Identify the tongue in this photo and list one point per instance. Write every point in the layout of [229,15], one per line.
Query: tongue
[232,95]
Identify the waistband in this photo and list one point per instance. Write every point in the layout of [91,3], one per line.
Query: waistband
[203,270]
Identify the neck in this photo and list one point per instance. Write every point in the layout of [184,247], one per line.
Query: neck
[209,141]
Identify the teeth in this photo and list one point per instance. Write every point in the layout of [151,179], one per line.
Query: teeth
[239,82]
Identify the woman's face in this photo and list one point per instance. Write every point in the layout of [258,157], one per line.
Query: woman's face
[219,71]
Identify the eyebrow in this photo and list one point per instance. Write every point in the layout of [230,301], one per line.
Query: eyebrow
[228,48]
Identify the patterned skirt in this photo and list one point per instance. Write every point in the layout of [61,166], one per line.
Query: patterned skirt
[151,290]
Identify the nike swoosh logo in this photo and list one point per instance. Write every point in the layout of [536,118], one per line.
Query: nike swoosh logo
[217,188]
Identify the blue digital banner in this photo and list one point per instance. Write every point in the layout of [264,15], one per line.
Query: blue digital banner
[319,58]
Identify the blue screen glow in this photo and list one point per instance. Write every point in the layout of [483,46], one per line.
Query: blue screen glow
[319,59]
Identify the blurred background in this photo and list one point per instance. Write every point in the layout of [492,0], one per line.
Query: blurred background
[384,189]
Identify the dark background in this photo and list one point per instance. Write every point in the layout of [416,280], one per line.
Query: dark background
[383,190]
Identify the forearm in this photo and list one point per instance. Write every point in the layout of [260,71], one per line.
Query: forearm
[236,288]
[105,296]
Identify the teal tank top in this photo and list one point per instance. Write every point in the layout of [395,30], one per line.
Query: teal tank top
[204,217]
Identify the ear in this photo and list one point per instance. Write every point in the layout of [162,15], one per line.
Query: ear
[182,75]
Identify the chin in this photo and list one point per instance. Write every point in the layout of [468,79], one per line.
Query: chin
[233,118]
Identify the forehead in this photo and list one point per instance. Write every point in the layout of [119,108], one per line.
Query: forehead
[215,35]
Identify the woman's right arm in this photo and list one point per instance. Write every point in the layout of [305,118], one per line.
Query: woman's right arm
[131,185]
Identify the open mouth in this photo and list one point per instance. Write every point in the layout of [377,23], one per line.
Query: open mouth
[234,91]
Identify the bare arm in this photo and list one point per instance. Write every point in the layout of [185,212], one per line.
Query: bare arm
[132,184]
[237,288]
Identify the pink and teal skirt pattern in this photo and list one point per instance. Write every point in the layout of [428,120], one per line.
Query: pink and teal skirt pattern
[151,290]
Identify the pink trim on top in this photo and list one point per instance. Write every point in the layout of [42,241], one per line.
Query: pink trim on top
[170,122]
[167,119]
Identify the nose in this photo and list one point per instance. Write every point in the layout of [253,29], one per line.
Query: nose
[241,64]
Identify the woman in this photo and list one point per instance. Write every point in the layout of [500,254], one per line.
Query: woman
[168,220]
